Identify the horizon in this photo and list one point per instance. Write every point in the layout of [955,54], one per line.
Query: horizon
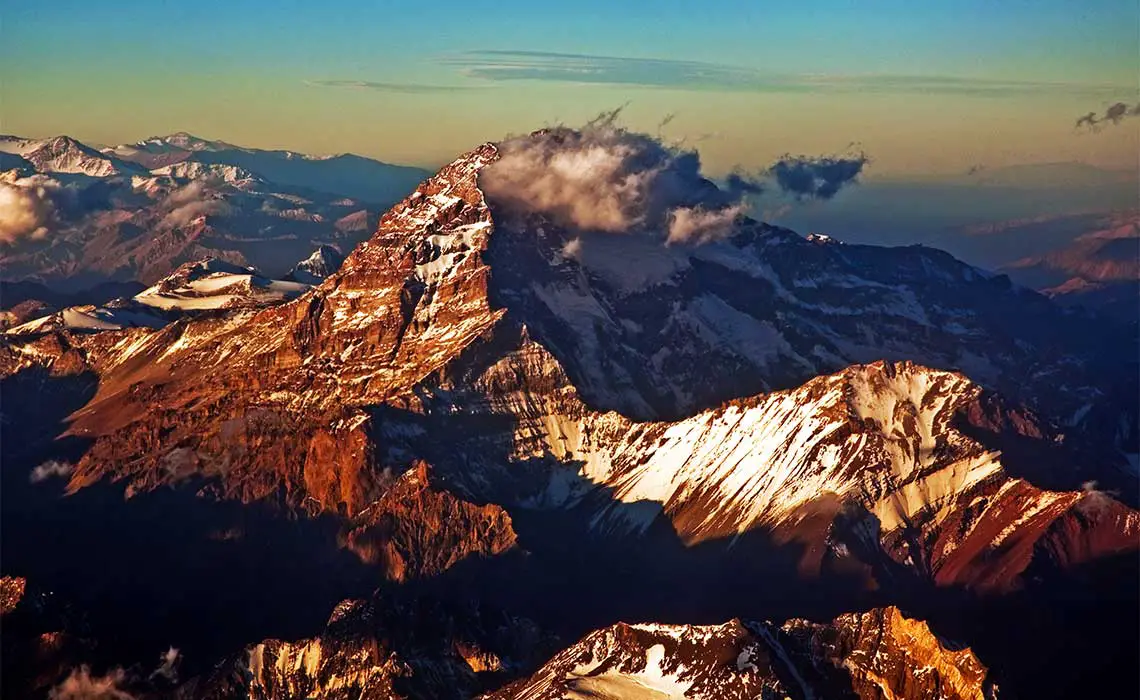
[871,174]
[746,84]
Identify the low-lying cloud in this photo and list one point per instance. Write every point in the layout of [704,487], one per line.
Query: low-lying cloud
[191,202]
[32,207]
[806,177]
[1112,115]
[604,178]
[27,209]
[49,469]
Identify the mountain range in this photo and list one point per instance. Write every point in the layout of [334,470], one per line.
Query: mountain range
[520,460]
[82,217]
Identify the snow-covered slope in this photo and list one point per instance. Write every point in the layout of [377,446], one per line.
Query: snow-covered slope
[215,284]
[88,318]
[201,286]
[345,174]
[66,155]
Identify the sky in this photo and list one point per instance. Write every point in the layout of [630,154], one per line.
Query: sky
[922,87]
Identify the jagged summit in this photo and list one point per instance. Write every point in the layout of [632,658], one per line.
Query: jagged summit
[324,261]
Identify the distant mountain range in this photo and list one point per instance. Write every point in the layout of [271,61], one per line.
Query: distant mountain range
[345,174]
[82,217]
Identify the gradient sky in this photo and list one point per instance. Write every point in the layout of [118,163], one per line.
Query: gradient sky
[924,87]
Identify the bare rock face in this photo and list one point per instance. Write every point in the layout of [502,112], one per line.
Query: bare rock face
[878,655]
[414,530]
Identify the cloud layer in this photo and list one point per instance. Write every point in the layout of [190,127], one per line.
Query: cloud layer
[402,88]
[696,75]
[604,178]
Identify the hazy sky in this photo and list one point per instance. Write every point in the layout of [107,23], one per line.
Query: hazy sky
[925,86]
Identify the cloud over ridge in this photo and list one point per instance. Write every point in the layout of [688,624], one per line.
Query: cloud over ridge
[604,178]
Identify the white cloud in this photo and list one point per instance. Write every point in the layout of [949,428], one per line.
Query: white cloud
[603,178]
[27,209]
[190,202]
[49,469]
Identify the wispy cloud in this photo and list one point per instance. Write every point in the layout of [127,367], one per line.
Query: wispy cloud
[403,88]
[695,75]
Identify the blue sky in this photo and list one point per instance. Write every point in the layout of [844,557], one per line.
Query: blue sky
[955,81]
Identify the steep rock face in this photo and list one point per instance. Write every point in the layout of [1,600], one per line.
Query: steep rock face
[879,655]
[414,530]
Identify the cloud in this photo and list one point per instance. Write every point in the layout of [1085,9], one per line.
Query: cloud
[807,177]
[49,469]
[1113,114]
[604,178]
[31,206]
[501,66]
[190,202]
[81,685]
[403,88]
[697,225]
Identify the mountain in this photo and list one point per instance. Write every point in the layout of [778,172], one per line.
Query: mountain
[877,654]
[581,428]
[89,217]
[323,262]
[1099,269]
[119,229]
[65,155]
[196,287]
[344,174]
